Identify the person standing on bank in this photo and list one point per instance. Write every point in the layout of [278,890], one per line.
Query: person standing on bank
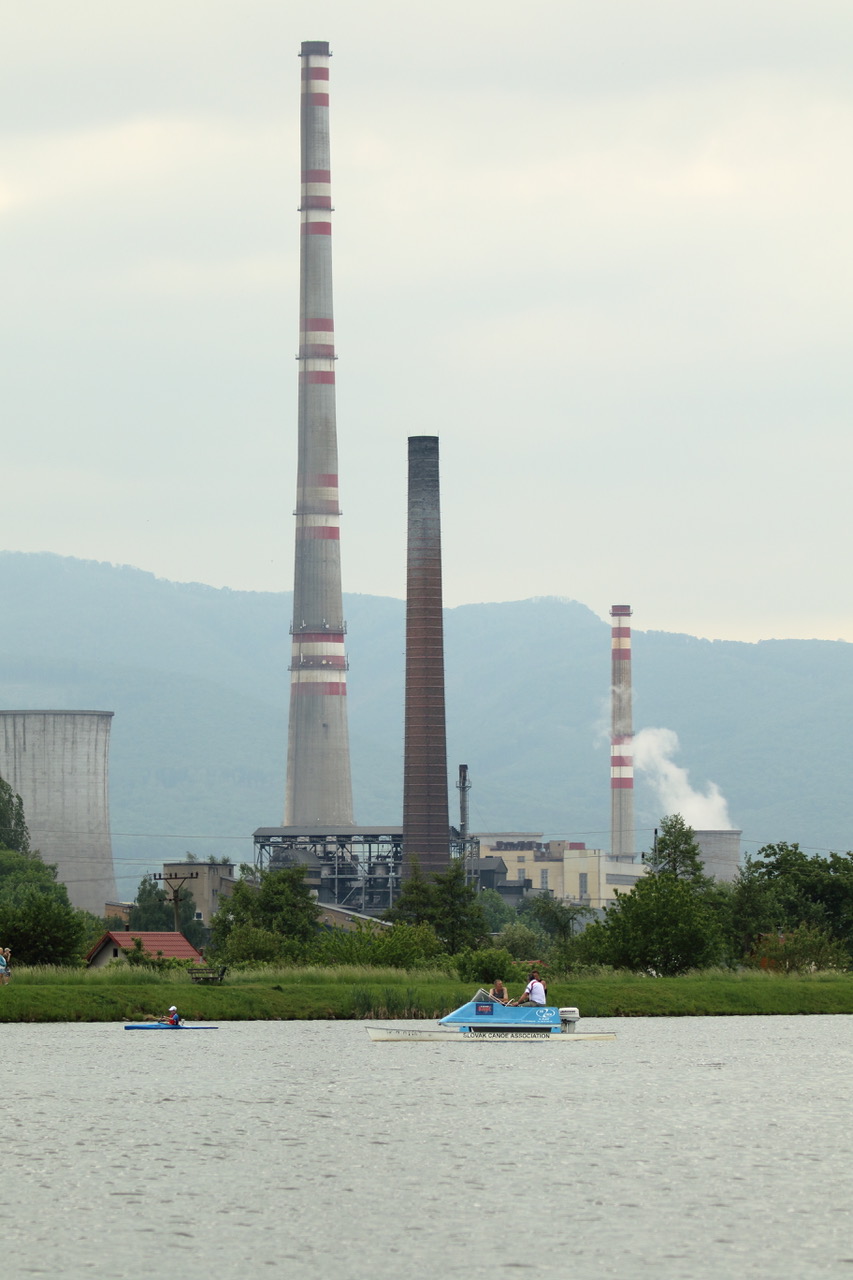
[535,991]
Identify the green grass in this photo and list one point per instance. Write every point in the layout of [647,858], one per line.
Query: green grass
[44,994]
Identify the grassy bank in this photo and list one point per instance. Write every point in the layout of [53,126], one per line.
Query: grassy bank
[73,995]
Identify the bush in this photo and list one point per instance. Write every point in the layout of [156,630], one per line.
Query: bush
[403,946]
[806,949]
[250,944]
[484,965]
[522,942]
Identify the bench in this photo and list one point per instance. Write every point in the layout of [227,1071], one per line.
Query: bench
[198,974]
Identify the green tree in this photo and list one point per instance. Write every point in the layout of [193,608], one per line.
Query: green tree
[276,901]
[677,853]
[559,919]
[415,902]
[153,911]
[444,901]
[662,927]
[523,942]
[754,909]
[18,868]
[13,827]
[247,944]
[39,924]
[496,910]
[810,890]
[458,917]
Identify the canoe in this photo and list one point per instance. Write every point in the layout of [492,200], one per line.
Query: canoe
[162,1026]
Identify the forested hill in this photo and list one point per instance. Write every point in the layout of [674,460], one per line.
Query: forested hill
[197,678]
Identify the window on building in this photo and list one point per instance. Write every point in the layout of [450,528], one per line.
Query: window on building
[522,859]
[543,879]
[583,884]
[616,879]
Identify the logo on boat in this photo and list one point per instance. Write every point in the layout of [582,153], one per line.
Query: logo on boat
[484,1008]
[544,1015]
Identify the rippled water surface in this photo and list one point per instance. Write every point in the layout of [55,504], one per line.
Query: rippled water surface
[686,1148]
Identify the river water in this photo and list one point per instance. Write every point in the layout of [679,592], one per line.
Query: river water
[689,1147]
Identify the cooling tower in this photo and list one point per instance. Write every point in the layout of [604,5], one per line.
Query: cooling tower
[720,853]
[319,787]
[622,837]
[58,762]
[426,820]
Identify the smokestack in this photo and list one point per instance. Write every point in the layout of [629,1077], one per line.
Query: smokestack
[319,787]
[622,837]
[426,820]
[464,787]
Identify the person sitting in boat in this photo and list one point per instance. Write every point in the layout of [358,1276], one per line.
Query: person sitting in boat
[173,1017]
[498,992]
[535,992]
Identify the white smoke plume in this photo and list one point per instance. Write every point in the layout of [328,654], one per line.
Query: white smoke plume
[703,811]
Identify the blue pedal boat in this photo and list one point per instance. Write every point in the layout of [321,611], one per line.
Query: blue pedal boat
[486,1019]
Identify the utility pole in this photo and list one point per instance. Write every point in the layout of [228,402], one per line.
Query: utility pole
[175,881]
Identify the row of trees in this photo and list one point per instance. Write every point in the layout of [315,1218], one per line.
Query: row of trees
[786,909]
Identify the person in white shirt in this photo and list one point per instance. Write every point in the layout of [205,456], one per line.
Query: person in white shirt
[534,992]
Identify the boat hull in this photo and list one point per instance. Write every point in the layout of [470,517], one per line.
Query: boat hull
[427,1035]
[162,1026]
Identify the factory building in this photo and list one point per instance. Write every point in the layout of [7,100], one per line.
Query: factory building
[566,869]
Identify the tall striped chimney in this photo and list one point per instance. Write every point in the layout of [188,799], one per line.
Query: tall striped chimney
[426,816]
[622,838]
[319,786]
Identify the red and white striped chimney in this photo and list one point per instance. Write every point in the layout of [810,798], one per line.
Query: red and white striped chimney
[622,836]
[319,786]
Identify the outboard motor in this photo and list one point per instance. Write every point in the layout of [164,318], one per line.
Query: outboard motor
[569,1019]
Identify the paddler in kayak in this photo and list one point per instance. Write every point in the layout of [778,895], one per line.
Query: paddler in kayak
[172,1018]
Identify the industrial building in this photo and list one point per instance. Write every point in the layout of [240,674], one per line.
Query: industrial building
[566,869]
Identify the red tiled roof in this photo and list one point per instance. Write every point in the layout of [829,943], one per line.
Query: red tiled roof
[168,944]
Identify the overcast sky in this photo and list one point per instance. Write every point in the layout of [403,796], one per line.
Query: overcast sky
[601,250]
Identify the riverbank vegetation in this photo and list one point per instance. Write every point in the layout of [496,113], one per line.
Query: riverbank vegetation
[52,994]
[779,939]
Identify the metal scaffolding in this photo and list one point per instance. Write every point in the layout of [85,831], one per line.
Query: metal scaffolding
[359,868]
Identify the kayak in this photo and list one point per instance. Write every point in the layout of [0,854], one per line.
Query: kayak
[163,1026]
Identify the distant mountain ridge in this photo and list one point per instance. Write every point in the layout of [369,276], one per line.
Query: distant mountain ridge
[197,678]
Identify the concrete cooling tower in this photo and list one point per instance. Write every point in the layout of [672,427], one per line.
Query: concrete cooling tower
[58,762]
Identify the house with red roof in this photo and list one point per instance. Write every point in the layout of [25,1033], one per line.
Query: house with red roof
[166,945]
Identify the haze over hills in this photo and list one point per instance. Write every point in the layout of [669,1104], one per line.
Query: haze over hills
[197,678]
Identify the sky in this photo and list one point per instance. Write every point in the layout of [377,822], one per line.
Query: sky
[601,250]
